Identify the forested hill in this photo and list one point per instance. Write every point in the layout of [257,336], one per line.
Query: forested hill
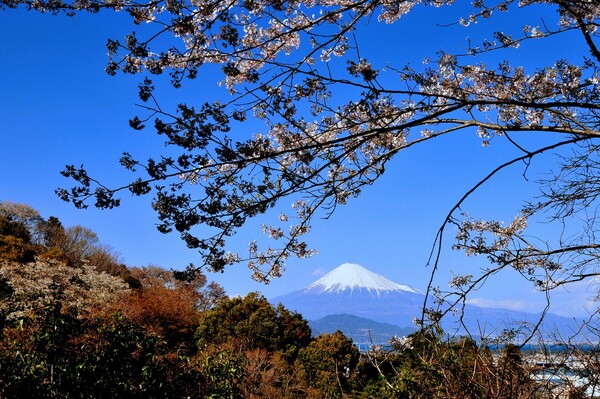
[75,323]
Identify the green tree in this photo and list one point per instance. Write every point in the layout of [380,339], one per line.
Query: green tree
[14,249]
[328,364]
[223,372]
[15,242]
[252,322]
[53,232]
[22,214]
[61,354]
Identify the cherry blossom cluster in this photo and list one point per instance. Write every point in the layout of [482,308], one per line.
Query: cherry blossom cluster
[328,118]
[36,284]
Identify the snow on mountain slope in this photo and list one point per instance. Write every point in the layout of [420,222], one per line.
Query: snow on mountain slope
[351,276]
[352,289]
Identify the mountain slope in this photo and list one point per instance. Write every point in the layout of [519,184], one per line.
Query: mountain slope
[352,289]
[395,307]
[350,276]
[359,329]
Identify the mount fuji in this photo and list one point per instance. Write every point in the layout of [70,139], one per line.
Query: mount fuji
[351,276]
[351,289]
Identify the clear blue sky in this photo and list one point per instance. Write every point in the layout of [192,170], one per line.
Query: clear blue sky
[58,107]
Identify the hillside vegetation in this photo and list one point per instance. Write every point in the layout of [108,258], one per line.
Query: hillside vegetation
[76,323]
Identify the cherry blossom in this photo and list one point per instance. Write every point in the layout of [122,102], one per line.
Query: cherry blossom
[330,120]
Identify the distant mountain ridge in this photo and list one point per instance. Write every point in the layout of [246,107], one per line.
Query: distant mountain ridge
[351,289]
[359,329]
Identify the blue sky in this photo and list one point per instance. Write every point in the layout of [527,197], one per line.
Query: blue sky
[58,107]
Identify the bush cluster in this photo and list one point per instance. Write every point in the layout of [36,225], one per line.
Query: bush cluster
[74,323]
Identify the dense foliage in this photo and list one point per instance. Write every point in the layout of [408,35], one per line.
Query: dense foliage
[72,328]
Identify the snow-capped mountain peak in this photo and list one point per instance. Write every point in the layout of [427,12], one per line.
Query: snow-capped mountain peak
[353,277]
